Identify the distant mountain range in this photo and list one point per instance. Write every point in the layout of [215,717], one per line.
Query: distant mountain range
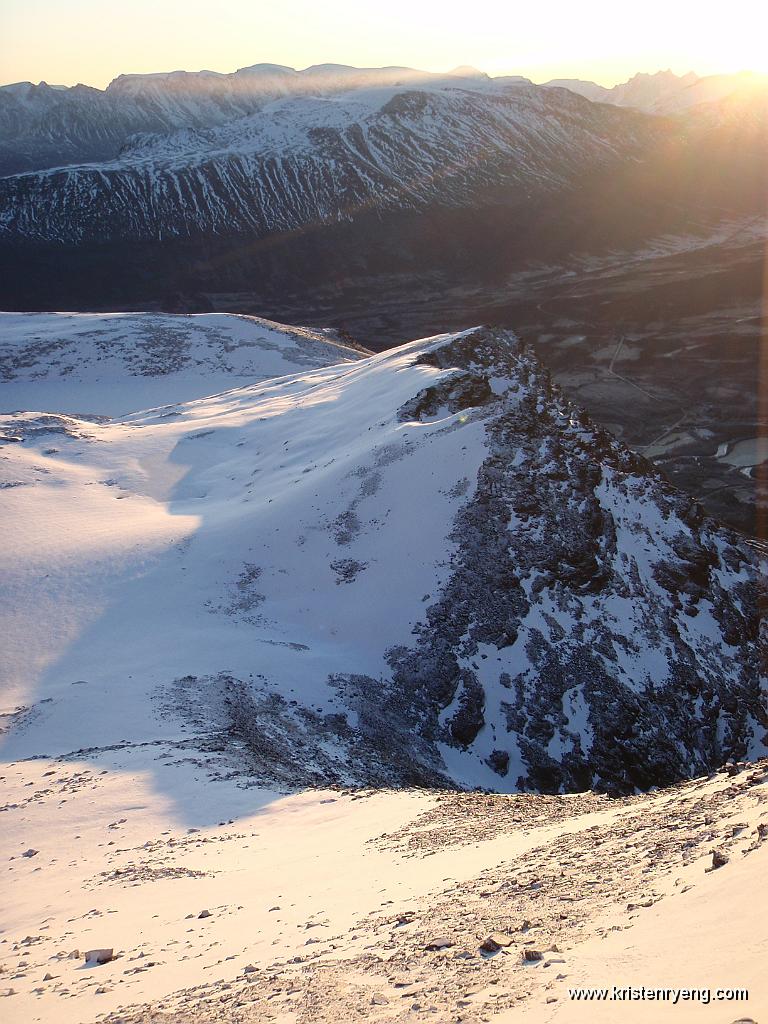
[345,171]
[314,159]
[48,126]
[665,92]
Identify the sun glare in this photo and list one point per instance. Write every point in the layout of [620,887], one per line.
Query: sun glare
[92,42]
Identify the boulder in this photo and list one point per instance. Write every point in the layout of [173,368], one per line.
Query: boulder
[99,956]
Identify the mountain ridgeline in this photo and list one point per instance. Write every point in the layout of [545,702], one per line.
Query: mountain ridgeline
[420,567]
[48,126]
[302,163]
[577,640]
[271,181]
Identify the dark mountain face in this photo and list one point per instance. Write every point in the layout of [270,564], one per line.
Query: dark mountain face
[572,562]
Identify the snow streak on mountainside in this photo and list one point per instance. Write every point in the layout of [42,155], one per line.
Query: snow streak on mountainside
[42,126]
[114,363]
[421,566]
[324,160]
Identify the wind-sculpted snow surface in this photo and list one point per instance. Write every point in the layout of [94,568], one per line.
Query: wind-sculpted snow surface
[312,160]
[421,567]
[115,363]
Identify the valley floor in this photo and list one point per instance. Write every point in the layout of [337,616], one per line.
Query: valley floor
[224,901]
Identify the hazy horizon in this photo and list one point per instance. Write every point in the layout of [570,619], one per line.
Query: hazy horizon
[92,42]
[320,63]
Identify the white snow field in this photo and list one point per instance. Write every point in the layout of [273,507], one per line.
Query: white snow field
[283,538]
[191,593]
[111,364]
[227,903]
[137,549]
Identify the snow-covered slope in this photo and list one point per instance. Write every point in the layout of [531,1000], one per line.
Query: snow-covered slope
[109,364]
[320,160]
[225,903]
[423,565]
[46,126]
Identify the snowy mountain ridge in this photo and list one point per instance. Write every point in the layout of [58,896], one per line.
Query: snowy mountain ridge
[422,566]
[322,159]
[43,126]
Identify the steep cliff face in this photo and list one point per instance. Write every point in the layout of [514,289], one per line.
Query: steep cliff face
[595,629]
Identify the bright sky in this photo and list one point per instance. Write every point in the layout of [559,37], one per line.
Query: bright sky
[92,41]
